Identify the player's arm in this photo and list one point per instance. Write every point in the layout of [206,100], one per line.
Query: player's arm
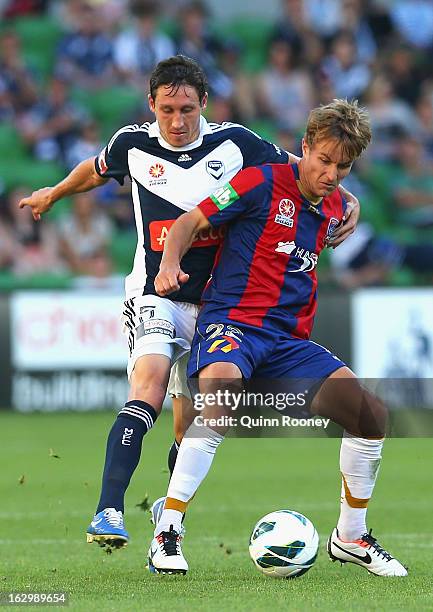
[350,218]
[82,178]
[179,239]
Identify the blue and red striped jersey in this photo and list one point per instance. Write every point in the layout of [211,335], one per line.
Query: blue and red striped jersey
[265,271]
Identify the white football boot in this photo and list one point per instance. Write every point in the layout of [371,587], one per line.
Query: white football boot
[365,552]
[165,554]
[156,512]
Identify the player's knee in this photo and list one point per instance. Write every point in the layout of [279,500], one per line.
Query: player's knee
[220,376]
[149,380]
[373,417]
[180,420]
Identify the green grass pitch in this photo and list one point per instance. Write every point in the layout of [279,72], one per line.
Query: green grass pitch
[48,501]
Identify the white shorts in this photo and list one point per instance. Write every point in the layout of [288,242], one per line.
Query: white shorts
[177,385]
[156,325]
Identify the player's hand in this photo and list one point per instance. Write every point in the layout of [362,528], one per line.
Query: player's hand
[169,279]
[348,225]
[40,202]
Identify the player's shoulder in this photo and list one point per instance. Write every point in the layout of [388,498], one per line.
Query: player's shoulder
[230,130]
[130,133]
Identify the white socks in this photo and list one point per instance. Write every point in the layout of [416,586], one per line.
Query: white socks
[193,462]
[359,464]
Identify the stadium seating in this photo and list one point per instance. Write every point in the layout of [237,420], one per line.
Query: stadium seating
[11,145]
[39,37]
[122,249]
[26,171]
[253,35]
[112,107]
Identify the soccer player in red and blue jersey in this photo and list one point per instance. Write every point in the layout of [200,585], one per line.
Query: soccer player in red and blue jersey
[173,163]
[256,320]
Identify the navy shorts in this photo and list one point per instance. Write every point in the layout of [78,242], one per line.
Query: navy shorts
[258,352]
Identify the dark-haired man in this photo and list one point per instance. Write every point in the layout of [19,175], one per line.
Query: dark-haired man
[173,163]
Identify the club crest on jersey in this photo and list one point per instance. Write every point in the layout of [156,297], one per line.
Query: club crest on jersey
[286,211]
[332,226]
[215,168]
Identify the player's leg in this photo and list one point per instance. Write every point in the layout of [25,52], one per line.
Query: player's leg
[336,393]
[178,384]
[363,416]
[196,454]
[221,356]
[148,383]
[151,354]
[183,415]
[183,412]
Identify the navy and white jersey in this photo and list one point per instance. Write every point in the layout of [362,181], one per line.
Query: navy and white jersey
[168,181]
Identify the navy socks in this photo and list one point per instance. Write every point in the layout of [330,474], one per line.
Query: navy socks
[123,452]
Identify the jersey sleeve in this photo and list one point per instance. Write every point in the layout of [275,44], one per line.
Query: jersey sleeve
[257,151]
[240,196]
[112,162]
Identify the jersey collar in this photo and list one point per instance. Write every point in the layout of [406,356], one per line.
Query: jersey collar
[155,133]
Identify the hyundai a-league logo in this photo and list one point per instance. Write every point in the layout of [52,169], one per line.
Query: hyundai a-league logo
[156,170]
[286,211]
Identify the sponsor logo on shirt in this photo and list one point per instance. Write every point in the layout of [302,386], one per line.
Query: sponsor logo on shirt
[184,158]
[215,168]
[224,196]
[158,231]
[308,258]
[286,211]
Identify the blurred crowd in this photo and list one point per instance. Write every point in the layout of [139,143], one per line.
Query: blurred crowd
[266,75]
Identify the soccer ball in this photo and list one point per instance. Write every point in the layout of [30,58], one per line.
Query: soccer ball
[284,544]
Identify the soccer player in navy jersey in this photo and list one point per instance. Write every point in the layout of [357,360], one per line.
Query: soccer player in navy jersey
[173,163]
[256,320]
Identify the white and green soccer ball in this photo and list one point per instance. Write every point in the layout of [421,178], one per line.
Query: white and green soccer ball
[284,544]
